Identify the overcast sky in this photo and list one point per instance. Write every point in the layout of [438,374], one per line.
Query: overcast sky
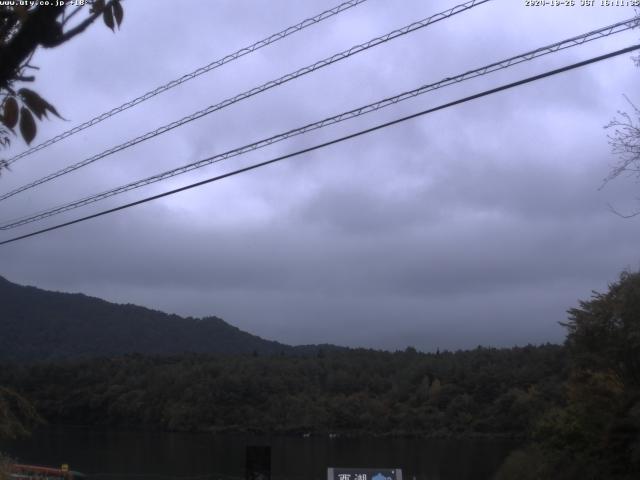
[479,224]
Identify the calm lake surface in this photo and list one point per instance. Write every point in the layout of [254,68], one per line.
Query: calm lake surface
[131,455]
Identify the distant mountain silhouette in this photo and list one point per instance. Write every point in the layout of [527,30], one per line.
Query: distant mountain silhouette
[40,325]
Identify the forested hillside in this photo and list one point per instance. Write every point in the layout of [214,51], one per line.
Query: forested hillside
[578,405]
[477,392]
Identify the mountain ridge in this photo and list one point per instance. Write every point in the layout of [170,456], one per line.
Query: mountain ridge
[43,325]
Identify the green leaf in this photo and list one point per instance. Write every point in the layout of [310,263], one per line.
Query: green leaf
[10,117]
[37,104]
[27,125]
[118,12]
[53,110]
[107,16]
[34,102]
[97,6]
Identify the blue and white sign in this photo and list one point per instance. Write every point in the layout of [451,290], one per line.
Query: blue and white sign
[364,473]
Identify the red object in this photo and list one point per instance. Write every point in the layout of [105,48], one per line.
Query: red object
[31,471]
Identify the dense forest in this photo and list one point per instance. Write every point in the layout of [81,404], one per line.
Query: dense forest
[483,391]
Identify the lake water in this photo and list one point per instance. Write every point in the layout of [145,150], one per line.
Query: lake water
[131,455]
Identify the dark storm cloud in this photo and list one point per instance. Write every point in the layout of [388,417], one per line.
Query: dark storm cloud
[478,224]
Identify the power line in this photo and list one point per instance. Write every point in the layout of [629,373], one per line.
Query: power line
[573,41]
[254,91]
[189,76]
[331,142]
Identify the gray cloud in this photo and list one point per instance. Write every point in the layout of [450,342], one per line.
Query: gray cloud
[478,224]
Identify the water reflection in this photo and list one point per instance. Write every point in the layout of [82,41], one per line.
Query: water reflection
[134,455]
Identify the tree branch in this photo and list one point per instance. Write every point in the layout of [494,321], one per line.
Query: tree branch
[71,15]
[622,215]
[82,26]
[38,29]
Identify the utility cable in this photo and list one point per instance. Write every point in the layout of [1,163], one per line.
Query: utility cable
[189,76]
[254,91]
[372,107]
[331,142]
